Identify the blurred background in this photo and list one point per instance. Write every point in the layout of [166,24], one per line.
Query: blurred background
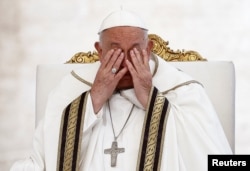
[52,31]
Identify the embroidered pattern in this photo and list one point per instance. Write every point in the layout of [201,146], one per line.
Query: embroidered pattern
[153,135]
[70,136]
[151,141]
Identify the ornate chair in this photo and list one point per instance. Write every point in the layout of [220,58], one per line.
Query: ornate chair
[218,78]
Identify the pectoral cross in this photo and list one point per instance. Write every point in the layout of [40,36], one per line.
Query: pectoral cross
[114,151]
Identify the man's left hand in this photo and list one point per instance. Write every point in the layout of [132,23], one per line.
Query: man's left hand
[140,72]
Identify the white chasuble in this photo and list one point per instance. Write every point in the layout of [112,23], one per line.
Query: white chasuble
[189,131]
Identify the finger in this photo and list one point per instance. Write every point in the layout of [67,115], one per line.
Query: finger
[131,68]
[113,59]
[145,58]
[106,58]
[137,55]
[134,61]
[137,60]
[118,61]
[121,73]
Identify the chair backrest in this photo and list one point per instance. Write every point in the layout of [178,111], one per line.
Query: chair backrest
[217,77]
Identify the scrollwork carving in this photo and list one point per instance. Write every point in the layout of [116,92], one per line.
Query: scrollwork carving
[160,48]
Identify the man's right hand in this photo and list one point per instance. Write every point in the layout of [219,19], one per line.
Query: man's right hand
[105,81]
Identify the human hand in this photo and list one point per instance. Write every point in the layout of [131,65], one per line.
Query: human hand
[105,81]
[142,77]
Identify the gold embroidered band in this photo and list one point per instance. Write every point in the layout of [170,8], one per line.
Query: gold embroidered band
[153,133]
[152,139]
[70,135]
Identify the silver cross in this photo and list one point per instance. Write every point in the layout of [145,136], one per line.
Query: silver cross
[114,151]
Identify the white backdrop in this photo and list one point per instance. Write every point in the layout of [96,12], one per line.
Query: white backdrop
[51,31]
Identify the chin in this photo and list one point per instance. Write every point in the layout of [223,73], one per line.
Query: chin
[124,87]
[125,83]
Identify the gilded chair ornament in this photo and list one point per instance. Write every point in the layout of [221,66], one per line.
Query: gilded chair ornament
[83,57]
[160,48]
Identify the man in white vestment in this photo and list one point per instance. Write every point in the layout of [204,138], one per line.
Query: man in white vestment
[131,111]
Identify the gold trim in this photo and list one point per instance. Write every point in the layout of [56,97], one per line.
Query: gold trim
[163,136]
[60,141]
[160,48]
[81,129]
[70,135]
[153,133]
[180,85]
[74,120]
[83,57]
[71,132]
[80,78]
[143,131]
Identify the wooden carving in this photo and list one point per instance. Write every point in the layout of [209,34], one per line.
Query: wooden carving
[160,48]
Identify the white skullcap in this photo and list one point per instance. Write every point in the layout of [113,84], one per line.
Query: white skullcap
[122,18]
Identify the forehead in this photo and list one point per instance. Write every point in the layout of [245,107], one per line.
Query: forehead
[123,34]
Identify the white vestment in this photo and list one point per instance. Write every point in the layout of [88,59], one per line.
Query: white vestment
[192,132]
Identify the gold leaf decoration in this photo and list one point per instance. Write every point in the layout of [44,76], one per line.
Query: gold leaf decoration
[160,48]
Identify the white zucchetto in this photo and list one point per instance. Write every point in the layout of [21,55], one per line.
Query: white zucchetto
[122,18]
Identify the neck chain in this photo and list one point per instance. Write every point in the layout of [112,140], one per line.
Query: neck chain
[115,150]
[115,137]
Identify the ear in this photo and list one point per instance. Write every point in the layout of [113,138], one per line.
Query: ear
[150,46]
[98,49]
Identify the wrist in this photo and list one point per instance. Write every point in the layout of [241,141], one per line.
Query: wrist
[96,102]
